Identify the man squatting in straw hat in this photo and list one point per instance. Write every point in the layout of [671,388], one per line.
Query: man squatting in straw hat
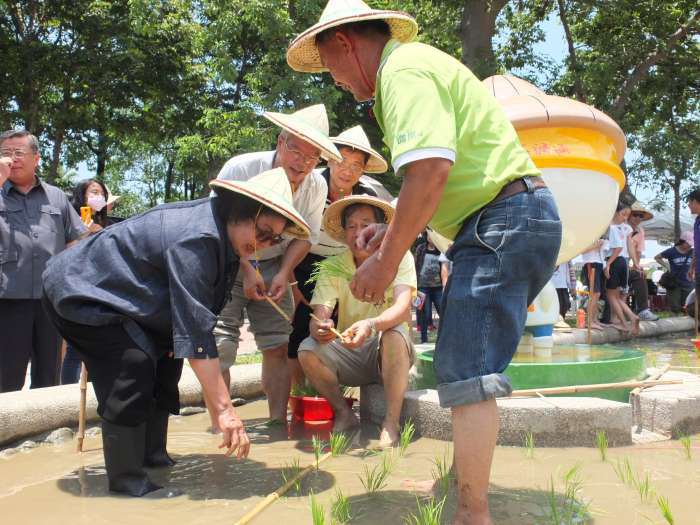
[376,346]
[137,298]
[343,179]
[301,143]
[464,171]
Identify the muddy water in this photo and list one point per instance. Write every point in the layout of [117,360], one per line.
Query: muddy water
[52,484]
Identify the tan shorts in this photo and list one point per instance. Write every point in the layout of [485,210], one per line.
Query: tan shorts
[268,326]
[358,366]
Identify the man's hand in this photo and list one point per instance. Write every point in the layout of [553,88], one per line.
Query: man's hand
[234,436]
[93,227]
[357,334]
[253,286]
[372,279]
[5,166]
[371,236]
[321,331]
[278,286]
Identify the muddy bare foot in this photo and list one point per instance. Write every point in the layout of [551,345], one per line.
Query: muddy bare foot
[422,486]
[635,326]
[345,421]
[389,436]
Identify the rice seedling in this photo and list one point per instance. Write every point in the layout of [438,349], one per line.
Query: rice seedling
[289,471]
[601,442]
[331,267]
[624,472]
[644,488]
[427,513]
[407,431]
[317,446]
[571,509]
[375,479]
[339,443]
[304,390]
[529,444]
[441,472]
[318,513]
[340,509]
[685,441]
[665,509]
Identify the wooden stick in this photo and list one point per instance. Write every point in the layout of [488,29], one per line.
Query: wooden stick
[592,388]
[83,399]
[335,332]
[280,491]
[654,377]
[284,314]
[591,287]
[635,400]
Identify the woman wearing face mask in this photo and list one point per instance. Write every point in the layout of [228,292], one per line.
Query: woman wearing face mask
[94,194]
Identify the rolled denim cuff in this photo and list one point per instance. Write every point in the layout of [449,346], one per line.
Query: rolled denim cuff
[473,390]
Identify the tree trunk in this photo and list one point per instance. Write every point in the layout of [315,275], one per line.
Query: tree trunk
[52,174]
[676,206]
[101,154]
[169,181]
[477,30]
[579,92]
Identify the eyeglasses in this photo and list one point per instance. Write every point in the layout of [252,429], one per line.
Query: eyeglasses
[267,236]
[352,167]
[16,153]
[299,156]
[638,215]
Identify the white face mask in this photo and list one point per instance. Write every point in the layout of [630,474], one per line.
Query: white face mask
[96,202]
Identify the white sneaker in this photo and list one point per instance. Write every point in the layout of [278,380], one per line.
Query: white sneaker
[647,315]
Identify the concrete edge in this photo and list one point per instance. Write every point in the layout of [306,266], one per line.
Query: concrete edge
[31,412]
[665,326]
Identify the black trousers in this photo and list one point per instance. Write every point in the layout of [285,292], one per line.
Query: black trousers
[26,332]
[302,314]
[564,301]
[128,384]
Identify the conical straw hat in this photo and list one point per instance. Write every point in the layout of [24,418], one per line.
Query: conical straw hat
[272,189]
[356,138]
[331,217]
[638,208]
[310,125]
[302,54]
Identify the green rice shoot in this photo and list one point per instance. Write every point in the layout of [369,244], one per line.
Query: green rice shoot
[441,471]
[407,431]
[376,479]
[336,266]
[318,513]
[339,443]
[340,508]
[427,513]
[685,441]
[317,446]
[290,471]
[529,443]
[665,509]
[601,441]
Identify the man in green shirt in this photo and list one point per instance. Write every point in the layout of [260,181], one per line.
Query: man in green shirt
[464,172]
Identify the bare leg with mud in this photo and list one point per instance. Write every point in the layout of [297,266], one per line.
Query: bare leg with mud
[296,372]
[276,382]
[395,366]
[474,431]
[326,382]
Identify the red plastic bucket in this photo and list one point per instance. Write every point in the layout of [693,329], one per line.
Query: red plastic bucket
[313,408]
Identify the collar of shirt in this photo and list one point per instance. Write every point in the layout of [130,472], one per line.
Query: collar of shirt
[10,186]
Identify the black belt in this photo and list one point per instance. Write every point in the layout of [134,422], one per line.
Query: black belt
[518,186]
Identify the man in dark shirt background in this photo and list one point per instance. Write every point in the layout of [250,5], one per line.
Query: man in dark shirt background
[36,222]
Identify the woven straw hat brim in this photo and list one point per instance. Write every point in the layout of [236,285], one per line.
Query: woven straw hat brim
[375,163]
[305,132]
[638,208]
[299,228]
[332,215]
[302,53]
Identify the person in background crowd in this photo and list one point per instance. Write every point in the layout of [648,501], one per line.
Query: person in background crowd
[343,179]
[36,222]
[593,260]
[694,208]
[430,284]
[564,280]
[445,268]
[679,257]
[637,277]
[94,194]
[615,271]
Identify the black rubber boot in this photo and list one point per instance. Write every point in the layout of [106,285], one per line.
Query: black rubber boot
[156,440]
[124,452]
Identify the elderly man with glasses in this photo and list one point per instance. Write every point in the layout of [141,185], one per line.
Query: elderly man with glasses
[301,144]
[36,222]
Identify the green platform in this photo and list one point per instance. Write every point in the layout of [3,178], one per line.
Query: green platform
[568,365]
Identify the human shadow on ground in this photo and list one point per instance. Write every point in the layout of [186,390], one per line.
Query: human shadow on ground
[201,477]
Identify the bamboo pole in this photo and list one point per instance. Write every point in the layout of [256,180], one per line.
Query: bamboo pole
[592,388]
[335,332]
[635,400]
[284,314]
[280,491]
[83,399]
[591,288]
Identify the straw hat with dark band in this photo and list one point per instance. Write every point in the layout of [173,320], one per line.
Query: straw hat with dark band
[332,216]
[302,54]
[272,189]
[638,208]
[310,125]
[357,139]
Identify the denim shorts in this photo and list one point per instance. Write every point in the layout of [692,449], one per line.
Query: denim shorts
[502,257]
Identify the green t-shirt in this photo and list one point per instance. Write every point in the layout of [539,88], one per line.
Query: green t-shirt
[429,104]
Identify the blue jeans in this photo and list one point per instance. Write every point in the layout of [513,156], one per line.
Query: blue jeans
[502,257]
[433,296]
